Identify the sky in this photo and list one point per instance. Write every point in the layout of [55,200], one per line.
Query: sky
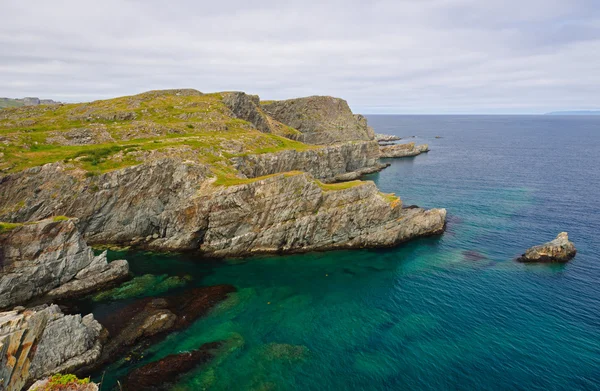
[397,56]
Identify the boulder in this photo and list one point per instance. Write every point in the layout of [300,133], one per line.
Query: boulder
[558,250]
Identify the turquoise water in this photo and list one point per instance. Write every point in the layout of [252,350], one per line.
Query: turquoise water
[447,313]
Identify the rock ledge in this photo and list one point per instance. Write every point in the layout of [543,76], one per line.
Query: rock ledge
[558,250]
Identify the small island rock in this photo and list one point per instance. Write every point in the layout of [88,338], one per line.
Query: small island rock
[558,250]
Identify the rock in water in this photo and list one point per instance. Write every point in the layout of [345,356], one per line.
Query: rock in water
[403,150]
[156,375]
[50,257]
[42,341]
[558,250]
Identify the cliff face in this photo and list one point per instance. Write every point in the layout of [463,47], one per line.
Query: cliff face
[172,205]
[338,162]
[321,119]
[42,341]
[51,258]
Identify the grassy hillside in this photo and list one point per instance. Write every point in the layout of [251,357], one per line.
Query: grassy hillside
[7,102]
[111,134]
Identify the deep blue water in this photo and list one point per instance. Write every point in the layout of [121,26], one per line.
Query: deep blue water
[449,313]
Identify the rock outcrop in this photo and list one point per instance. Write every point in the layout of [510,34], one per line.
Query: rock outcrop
[50,257]
[173,205]
[340,162]
[44,384]
[386,138]
[158,374]
[39,342]
[558,250]
[320,119]
[403,150]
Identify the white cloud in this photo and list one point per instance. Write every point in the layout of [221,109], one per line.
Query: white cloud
[382,56]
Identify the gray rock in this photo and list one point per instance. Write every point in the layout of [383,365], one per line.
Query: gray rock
[321,119]
[51,257]
[403,150]
[43,341]
[289,212]
[384,138]
[558,250]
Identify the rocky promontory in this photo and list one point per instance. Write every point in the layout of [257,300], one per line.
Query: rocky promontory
[403,150]
[558,250]
[51,258]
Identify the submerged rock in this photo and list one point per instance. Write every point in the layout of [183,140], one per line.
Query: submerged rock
[50,257]
[152,318]
[157,375]
[558,250]
[42,341]
[403,150]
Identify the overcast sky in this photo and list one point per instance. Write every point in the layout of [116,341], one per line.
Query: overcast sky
[397,56]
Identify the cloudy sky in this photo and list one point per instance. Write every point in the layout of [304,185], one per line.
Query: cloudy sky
[397,56]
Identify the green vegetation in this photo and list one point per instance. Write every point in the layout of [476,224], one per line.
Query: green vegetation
[112,134]
[391,198]
[339,186]
[56,219]
[228,179]
[60,382]
[5,227]
[7,102]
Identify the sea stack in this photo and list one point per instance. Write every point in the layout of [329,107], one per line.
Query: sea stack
[558,250]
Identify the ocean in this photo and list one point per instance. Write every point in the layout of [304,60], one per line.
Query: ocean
[454,312]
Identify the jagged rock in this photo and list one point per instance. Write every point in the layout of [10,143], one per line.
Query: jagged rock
[179,203]
[558,250]
[42,341]
[321,119]
[157,375]
[403,150]
[51,257]
[385,138]
[340,162]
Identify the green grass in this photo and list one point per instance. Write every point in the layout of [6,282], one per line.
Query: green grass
[339,186]
[391,198]
[56,219]
[5,227]
[60,382]
[229,179]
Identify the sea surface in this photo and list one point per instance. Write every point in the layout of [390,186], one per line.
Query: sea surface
[455,312]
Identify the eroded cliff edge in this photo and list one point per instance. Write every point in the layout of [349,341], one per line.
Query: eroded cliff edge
[223,174]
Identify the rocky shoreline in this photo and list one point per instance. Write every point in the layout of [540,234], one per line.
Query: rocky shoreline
[247,178]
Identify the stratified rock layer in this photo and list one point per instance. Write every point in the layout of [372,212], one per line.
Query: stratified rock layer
[340,162]
[51,257]
[40,342]
[403,150]
[320,119]
[173,205]
[558,250]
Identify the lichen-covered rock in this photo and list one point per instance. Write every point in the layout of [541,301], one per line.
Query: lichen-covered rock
[39,342]
[402,150]
[51,257]
[321,119]
[558,250]
[346,161]
[169,204]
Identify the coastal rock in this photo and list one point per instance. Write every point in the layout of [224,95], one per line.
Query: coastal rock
[51,257]
[42,341]
[403,150]
[157,375]
[152,318]
[320,119]
[386,138]
[340,162]
[558,250]
[41,385]
[179,202]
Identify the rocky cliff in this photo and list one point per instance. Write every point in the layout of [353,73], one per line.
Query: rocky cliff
[339,162]
[403,150]
[50,258]
[39,342]
[320,119]
[173,205]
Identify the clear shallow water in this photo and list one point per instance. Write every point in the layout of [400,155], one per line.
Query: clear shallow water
[447,313]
